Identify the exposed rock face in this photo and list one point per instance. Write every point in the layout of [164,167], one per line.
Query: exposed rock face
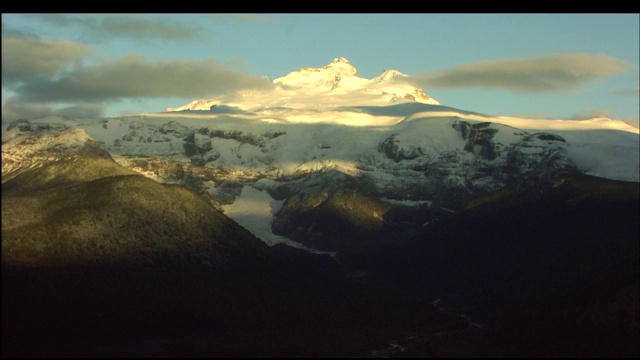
[392,149]
[482,163]
[216,162]
[429,200]
[123,261]
[550,154]
[449,181]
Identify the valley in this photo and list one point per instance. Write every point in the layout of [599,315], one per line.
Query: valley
[330,216]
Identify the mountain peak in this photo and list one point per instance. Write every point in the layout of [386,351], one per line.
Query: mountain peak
[336,84]
[340,60]
[341,65]
[389,74]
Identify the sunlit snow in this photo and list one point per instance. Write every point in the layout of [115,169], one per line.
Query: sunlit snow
[326,119]
[254,210]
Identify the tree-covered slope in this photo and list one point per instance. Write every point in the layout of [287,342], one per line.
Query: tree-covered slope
[552,268]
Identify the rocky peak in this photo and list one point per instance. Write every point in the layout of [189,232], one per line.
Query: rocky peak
[342,66]
[389,74]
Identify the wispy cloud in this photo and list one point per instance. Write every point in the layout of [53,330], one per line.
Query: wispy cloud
[135,77]
[250,18]
[25,58]
[590,113]
[8,31]
[633,121]
[593,112]
[628,92]
[41,77]
[553,73]
[126,26]
[14,109]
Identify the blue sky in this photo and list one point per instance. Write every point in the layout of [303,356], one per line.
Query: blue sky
[557,66]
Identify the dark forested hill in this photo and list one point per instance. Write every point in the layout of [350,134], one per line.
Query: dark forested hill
[552,268]
[99,261]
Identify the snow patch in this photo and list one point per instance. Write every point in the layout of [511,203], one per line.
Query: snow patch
[254,210]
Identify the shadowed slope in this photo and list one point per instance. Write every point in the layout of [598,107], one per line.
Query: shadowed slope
[90,251]
[99,262]
[552,268]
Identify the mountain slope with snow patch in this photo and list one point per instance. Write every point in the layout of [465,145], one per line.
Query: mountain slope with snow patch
[322,128]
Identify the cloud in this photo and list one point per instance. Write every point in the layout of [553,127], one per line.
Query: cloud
[591,113]
[8,31]
[553,73]
[83,111]
[628,92]
[14,109]
[24,58]
[126,26]
[134,77]
[249,18]
[633,121]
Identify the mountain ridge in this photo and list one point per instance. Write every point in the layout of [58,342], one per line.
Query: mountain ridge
[404,151]
[337,82]
[327,223]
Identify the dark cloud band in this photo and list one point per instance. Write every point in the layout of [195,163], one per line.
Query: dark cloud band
[104,26]
[553,73]
[25,58]
[135,77]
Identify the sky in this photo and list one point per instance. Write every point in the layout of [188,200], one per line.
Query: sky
[541,66]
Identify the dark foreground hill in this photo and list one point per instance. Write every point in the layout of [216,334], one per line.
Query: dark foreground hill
[100,261]
[551,268]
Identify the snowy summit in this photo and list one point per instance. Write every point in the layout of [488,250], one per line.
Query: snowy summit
[335,84]
[318,130]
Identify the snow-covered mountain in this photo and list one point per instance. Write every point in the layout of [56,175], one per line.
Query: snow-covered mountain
[331,86]
[439,223]
[322,132]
